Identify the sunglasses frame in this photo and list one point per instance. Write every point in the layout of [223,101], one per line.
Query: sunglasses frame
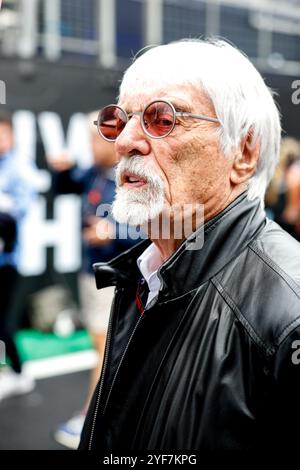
[141,114]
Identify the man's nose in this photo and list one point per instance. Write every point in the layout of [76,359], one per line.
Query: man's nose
[132,139]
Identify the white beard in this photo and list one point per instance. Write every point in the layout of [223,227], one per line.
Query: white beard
[137,206]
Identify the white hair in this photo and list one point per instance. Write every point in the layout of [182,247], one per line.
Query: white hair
[242,101]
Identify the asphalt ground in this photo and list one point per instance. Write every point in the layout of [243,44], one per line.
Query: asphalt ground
[27,422]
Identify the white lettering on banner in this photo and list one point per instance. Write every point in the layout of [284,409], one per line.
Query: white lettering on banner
[62,232]
[77,144]
[25,137]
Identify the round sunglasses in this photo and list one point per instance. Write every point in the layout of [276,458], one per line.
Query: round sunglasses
[158,119]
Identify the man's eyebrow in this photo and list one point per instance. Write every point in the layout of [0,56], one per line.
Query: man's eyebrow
[180,105]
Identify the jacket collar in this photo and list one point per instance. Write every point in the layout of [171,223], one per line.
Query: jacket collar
[225,236]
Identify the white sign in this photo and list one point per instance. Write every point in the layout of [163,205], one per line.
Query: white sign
[63,232]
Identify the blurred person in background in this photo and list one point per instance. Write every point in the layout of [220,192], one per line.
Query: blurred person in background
[283,194]
[16,194]
[96,185]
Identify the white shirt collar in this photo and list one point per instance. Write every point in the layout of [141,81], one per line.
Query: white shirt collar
[148,263]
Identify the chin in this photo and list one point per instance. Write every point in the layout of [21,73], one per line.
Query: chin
[133,214]
[129,210]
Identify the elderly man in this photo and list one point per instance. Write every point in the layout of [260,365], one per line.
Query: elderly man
[203,344]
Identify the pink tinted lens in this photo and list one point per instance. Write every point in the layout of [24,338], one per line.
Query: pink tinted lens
[158,119]
[112,120]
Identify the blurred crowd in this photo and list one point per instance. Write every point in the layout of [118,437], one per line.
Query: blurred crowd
[283,194]
[16,193]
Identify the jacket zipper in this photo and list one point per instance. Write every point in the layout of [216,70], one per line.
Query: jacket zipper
[115,306]
[120,363]
[158,371]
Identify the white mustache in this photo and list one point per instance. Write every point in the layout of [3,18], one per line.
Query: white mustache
[137,165]
[137,207]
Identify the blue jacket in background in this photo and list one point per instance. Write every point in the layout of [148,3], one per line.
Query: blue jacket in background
[17,191]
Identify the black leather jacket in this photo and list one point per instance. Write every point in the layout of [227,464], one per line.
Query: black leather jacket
[213,361]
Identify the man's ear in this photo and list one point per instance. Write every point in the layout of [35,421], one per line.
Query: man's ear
[245,159]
